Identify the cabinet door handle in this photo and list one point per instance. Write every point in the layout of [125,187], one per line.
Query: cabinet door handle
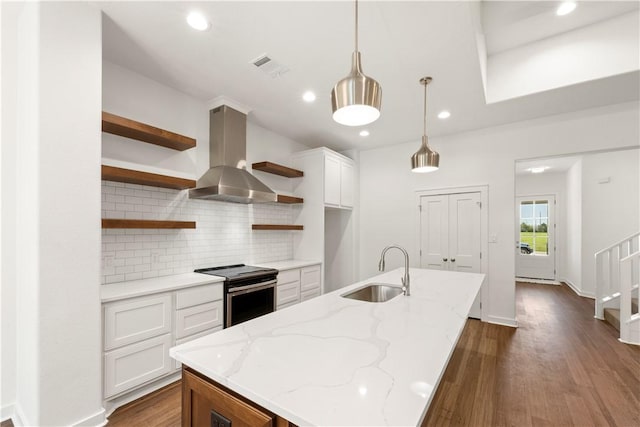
[444,259]
[453,260]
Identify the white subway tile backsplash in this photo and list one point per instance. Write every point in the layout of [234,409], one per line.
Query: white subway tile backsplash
[223,234]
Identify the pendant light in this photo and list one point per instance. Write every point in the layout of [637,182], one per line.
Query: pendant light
[356,99]
[425,159]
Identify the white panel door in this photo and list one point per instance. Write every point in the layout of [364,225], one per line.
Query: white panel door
[536,248]
[450,235]
[464,232]
[434,233]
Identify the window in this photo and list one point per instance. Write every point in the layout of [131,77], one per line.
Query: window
[534,223]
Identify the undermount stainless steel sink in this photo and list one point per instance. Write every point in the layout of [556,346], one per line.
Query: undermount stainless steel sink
[374,292]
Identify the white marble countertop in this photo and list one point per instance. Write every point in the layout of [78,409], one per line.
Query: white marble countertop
[287,264]
[335,361]
[136,288]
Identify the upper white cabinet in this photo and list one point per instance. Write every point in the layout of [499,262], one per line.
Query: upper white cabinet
[329,188]
[347,183]
[338,180]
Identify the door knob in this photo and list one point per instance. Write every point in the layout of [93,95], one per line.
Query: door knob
[453,260]
[444,259]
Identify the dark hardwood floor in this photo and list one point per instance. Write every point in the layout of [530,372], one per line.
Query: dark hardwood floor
[161,409]
[560,367]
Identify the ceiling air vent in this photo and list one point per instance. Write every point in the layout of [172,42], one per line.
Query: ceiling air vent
[269,66]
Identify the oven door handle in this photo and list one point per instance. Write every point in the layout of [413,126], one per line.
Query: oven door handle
[251,288]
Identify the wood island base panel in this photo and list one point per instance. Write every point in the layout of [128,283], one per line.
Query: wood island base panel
[207,403]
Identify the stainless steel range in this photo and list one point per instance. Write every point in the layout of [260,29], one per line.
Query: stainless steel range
[249,291]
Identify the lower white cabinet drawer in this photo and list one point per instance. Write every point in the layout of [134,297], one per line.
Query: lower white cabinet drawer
[198,295]
[283,306]
[288,276]
[310,278]
[136,319]
[178,365]
[135,364]
[309,294]
[287,294]
[198,318]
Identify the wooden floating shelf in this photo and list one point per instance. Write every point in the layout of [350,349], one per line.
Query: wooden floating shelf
[111,173]
[145,223]
[277,169]
[289,199]
[276,227]
[146,133]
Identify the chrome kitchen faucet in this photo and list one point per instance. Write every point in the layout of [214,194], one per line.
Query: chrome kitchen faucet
[405,279]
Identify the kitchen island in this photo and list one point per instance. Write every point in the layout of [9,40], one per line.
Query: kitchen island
[338,361]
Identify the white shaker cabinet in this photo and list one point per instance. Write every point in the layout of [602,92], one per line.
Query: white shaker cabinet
[139,331]
[137,337]
[347,183]
[297,284]
[338,180]
[309,282]
[288,288]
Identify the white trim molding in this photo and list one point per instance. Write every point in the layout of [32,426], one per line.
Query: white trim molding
[577,291]
[503,321]
[98,420]
[14,413]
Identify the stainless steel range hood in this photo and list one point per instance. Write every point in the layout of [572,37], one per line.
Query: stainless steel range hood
[228,180]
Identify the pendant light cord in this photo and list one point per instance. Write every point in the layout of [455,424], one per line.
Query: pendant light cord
[356,25]
[425,109]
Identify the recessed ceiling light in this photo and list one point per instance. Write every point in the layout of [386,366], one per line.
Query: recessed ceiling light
[444,114]
[364,133]
[309,96]
[565,8]
[197,21]
[538,169]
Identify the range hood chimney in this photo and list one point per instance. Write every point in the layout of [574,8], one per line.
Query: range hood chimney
[228,179]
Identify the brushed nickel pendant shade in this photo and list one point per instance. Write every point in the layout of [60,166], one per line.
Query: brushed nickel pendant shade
[356,99]
[425,159]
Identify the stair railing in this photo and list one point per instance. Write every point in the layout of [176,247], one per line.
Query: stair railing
[608,271]
[629,321]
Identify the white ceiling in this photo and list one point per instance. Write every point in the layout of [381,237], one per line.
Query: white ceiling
[554,164]
[400,42]
[509,24]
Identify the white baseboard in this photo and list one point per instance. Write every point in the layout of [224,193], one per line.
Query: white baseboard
[577,291]
[114,403]
[537,281]
[14,413]
[98,419]
[504,321]
[18,419]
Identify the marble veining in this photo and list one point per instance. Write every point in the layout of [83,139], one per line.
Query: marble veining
[335,361]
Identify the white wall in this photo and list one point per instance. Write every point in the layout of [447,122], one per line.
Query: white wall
[223,234]
[387,186]
[57,156]
[8,68]
[548,184]
[572,260]
[609,209]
